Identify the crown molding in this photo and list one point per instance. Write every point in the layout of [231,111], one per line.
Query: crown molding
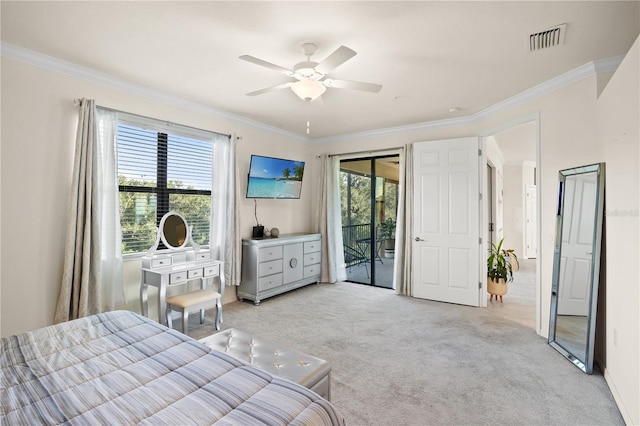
[577,74]
[17,53]
[51,63]
[396,130]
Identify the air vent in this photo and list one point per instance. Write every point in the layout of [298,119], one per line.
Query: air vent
[547,38]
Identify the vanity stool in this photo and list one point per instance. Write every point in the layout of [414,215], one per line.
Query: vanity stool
[197,300]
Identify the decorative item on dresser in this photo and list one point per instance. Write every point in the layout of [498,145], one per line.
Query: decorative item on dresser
[177,265]
[274,266]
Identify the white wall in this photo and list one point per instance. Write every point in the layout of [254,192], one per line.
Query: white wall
[618,133]
[513,207]
[517,176]
[38,136]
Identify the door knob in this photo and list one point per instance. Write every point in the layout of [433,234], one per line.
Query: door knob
[419,239]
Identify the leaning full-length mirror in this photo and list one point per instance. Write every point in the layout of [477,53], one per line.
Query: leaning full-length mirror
[576,263]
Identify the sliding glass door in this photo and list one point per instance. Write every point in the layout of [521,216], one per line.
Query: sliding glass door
[369,200]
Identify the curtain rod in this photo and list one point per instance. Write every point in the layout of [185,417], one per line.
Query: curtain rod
[77,102]
[371,151]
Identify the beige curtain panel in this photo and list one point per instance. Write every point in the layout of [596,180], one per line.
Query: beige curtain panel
[77,298]
[404,232]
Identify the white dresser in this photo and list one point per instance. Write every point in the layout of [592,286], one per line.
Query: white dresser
[272,266]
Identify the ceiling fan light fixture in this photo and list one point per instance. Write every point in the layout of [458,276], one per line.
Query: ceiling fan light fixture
[306,71]
[308,90]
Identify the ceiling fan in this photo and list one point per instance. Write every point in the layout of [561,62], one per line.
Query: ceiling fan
[310,77]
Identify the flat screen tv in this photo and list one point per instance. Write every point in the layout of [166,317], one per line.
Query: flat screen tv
[274,178]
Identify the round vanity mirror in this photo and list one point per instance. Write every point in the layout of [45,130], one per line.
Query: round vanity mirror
[174,231]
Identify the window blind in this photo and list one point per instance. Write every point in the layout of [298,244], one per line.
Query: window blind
[162,168]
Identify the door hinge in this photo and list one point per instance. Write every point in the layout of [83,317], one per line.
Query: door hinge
[480,196]
[479,284]
[479,153]
[480,240]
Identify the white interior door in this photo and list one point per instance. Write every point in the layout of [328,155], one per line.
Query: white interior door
[530,227]
[446,243]
[577,243]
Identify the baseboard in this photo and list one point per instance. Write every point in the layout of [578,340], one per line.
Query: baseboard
[616,396]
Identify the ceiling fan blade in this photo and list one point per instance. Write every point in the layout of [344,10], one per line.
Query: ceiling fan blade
[341,55]
[354,85]
[270,89]
[266,64]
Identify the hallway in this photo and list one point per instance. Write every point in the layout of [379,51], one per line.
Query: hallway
[519,304]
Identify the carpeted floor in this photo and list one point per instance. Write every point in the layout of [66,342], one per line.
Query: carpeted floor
[403,361]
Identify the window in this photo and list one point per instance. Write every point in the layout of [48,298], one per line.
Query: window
[162,168]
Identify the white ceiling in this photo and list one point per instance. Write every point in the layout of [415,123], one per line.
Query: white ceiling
[428,55]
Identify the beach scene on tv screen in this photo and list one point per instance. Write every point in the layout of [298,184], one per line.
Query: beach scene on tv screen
[275,178]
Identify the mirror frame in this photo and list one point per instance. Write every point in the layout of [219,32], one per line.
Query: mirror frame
[162,235]
[585,364]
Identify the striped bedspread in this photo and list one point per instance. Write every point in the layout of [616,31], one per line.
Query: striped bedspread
[120,368]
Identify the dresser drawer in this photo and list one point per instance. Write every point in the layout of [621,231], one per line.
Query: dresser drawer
[178,277]
[194,273]
[270,253]
[211,271]
[311,259]
[267,283]
[312,247]
[269,268]
[311,271]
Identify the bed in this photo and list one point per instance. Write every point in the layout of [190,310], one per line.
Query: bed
[122,368]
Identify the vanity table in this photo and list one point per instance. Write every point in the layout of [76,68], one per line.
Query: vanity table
[177,265]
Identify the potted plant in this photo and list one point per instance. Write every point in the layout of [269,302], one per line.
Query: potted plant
[500,266]
[387,234]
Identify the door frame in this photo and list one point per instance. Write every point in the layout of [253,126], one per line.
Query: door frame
[526,119]
[525,209]
[490,191]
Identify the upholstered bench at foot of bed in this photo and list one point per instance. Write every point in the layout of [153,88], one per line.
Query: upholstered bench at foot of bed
[309,371]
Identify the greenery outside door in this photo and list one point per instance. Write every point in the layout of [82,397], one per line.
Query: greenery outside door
[369,202]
